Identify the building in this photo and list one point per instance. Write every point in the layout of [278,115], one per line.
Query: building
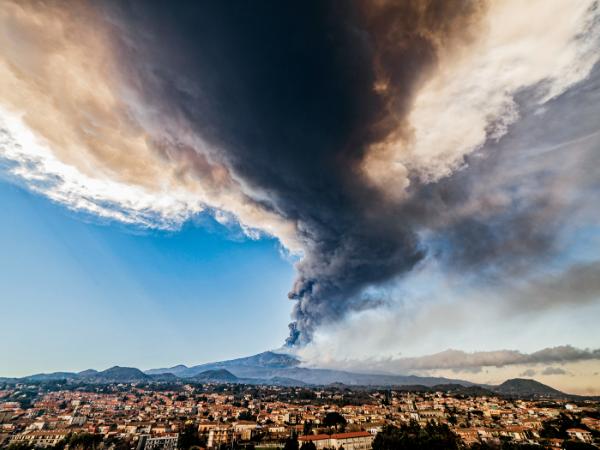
[468,435]
[580,434]
[167,442]
[591,423]
[358,440]
[45,438]
[244,429]
[220,435]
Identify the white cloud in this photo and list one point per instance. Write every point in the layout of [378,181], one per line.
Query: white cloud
[470,98]
[75,128]
[34,162]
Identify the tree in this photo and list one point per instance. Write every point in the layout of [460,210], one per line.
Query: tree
[414,437]
[291,444]
[247,415]
[334,420]
[189,437]
[84,441]
[307,429]
[117,443]
[308,445]
[575,445]
[19,446]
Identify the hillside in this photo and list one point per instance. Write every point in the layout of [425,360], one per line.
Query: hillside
[525,387]
[285,370]
[215,376]
[278,366]
[119,374]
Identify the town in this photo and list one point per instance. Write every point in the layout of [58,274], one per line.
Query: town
[216,416]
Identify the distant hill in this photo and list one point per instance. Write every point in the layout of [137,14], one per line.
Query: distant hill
[164,377]
[282,381]
[51,376]
[464,390]
[175,370]
[279,366]
[216,375]
[271,368]
[119,375]
[245,366]
[518,387]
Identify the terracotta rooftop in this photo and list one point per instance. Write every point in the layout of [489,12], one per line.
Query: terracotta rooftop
[320,437]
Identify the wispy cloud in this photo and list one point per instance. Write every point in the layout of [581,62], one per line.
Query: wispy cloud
[553,371]
[470,361]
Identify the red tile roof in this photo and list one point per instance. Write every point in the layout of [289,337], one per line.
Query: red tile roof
[320,437]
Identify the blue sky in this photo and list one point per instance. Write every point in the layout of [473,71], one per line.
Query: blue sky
[78,293]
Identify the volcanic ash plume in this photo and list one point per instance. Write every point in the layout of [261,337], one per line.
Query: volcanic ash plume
[357,137]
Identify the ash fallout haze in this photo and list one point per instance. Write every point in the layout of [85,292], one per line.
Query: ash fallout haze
[420,178]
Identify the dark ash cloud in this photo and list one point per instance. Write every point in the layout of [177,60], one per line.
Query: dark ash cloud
[292,97]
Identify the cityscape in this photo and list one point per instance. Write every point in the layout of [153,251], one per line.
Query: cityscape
[299,224]
[124,408]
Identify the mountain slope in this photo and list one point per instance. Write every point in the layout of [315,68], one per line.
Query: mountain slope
[51,376]
[526,387]
[265,360]
[270,365]
[175,370]
[119,374]
[217,376]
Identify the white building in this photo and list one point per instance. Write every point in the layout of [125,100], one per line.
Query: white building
[580,434]
[358,440]
[167,442]
[45,438]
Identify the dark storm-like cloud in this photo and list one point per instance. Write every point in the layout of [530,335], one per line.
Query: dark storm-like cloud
[289,95]
[293,98]
[366,136]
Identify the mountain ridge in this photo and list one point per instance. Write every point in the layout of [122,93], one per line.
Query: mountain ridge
[285,370]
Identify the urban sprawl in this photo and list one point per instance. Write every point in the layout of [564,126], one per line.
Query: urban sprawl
[217,416]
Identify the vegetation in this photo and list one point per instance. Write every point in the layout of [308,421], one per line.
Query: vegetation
[414,437]
[575,445]
[291,444]
[335,420]
[308,446]
[189,437]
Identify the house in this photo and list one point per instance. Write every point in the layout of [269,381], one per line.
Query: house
[220,435]
[591,423]
[468,435]
[46,438]
[357,440]
[244,429]
[167,442]
[580,434]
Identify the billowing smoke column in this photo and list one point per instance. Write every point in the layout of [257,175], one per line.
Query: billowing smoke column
[293,98]
[344,129]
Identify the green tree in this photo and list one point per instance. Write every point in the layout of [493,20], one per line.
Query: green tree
[334,420]
[190,437]
[575,445]
[19,446]
[291,444]
[308,445]
[84,441]
[247,415]
[307,428]
[414,437]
